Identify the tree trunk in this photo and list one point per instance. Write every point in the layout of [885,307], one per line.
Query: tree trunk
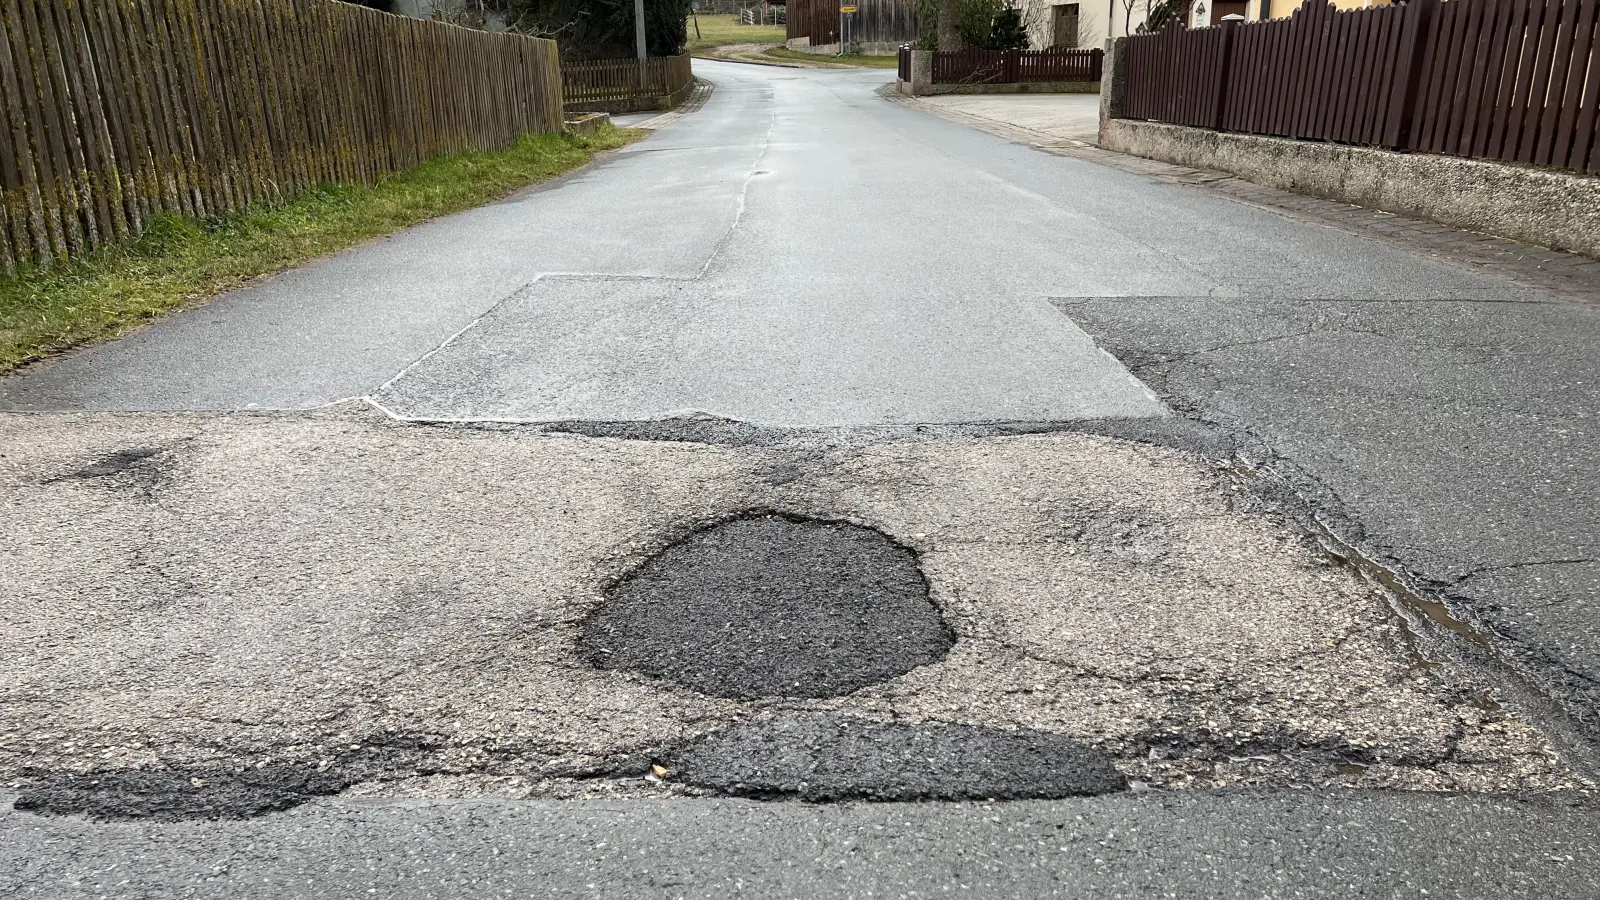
[950,25]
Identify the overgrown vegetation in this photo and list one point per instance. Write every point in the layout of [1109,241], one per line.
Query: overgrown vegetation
[586,29]
[179,261]
[1161,13]
[602,29]
[984,24]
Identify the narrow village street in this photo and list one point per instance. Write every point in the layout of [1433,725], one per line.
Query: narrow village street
[764,505]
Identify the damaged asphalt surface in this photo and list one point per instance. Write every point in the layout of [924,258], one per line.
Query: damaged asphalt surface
[736,515]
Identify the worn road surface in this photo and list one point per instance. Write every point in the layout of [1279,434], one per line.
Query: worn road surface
[816,498]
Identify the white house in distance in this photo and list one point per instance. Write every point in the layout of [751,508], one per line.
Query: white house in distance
[1052,23]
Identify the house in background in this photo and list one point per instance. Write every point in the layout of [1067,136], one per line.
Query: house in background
[1212,12]
[1085,25]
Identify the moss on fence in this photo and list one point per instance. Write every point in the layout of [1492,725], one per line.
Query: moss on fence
[179,262]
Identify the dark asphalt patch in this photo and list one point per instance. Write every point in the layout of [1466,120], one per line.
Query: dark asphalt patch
[823,758]
[140,470]
[771,607]
[117,463]
[175,795]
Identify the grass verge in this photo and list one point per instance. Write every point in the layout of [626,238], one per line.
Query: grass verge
[720,31]
[851,59]
[179,261]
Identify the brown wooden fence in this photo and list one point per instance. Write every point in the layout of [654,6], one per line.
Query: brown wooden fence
[115,111]
[622,85]
[1015,66]
[1515,80]
[874,21]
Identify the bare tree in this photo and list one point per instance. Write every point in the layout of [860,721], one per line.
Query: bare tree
[1034,18]
[1128,7]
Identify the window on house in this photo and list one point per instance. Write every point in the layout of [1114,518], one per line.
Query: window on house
[1064,26]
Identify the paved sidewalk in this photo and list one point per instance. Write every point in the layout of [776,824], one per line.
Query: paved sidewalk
[1051,117]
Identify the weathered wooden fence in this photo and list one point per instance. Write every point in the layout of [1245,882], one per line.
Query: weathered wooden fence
[623,85]
[1015,66]
[115,111]
[874,21]
[1514,80]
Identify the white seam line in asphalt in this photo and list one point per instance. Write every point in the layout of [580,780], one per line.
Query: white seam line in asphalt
[744,191]
[459,332]
[471,325]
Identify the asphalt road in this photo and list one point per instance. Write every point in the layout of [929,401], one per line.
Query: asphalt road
[1238,846]
[368,528]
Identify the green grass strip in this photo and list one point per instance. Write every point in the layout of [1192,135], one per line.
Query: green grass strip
[178,261]
[721,31]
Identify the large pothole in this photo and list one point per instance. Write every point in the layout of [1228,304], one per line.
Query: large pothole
[772,606]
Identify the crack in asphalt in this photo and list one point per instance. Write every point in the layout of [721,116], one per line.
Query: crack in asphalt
[1510,567]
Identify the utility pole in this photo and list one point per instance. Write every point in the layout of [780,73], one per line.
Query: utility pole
[638,41]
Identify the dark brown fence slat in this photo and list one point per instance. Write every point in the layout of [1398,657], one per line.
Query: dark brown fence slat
[1586,100]
[1558,82]
[1579,64]
[1367,128]
[1534,106]
[1510,78]
[1515,80]
[1486,76]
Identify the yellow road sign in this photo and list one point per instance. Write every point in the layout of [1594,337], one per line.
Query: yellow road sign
[847,9]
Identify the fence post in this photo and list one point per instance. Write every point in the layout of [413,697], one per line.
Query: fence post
[1409,74]
[921,73]
[1224,68]
[1113,83]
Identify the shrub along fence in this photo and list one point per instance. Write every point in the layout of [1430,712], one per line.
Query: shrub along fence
[1009,66]
[619,85]
[1513,80]
[115,111]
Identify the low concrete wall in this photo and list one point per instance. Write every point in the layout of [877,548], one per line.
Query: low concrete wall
[586,122]
[1539,206]
[1037,87]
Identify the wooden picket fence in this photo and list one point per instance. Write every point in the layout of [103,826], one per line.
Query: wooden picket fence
[115,111]
[1512,80]
[622,85]
[973,66]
